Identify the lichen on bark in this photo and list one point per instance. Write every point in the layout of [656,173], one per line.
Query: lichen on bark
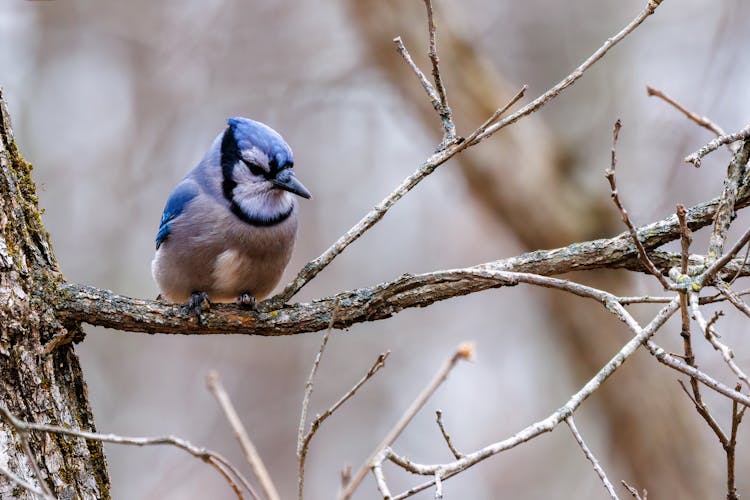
[38,385]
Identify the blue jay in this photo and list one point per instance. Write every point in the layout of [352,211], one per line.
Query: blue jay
[228,228]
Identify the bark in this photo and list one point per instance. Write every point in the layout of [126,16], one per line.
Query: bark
[38,385]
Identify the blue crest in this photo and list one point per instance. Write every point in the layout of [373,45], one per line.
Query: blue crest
[249,133]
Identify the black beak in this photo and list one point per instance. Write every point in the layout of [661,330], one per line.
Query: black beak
[286,180]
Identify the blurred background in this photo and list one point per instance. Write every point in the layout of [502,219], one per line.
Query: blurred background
[114,102]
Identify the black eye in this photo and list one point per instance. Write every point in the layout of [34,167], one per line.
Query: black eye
[255,169]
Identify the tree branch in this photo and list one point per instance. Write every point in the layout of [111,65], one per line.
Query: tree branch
[547,424]
[591,458]
[213,381]
[312,268]
[696,157]
[81,303]
[221,464]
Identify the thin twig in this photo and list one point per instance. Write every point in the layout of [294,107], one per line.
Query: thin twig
[221,464]
[731,448]
[569,80]
[438,484]
[685,331]
[677,364]
[703,411]
[377,471]
[464,351]
[446,115]
[711,336]
[719,264]
[546,425]
[492,119]
[251,453]
[25,484]
[610,174]
[306,403]
[733,297]
[23,438]
[446,436]
[696,157]
[703,121]
[345,476]
[741,267]
[319,419]
[685,238]
[591,458]
[428,87]
[312,268]
[634,491]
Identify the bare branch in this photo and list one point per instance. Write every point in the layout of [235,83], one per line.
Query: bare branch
[252,456]
[431,93]
[221,464]
[464,351]
[81,303]
[685,238]
[377,471]
[610,174]
[703,411]
[731,447]
[446,436]
[569,80]
[703,121]
[312,268]
[446,115]
[25,485]
[546,425]
[711,336]
[696,157]
[591,458]
[301,448]
[721,262]
[634,491]
[673,362]
[734,298]
[489,121]
[23,438]
[725,212]
[319,419]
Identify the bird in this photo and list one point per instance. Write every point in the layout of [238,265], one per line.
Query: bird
[228,228]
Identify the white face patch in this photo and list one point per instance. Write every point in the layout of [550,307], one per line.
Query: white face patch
[256,196]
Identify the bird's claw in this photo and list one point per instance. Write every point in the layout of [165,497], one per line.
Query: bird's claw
[246,300]
[198,301]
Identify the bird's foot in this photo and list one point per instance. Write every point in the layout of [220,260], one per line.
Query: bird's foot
[197,303]
[246,300]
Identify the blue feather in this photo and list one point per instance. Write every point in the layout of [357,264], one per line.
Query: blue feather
[178,200]
[249,133]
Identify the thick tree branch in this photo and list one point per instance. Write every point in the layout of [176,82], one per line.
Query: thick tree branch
[75,302]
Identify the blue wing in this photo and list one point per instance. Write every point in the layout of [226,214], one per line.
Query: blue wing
[178,200]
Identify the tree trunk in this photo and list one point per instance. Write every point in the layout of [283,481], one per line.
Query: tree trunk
[39,370]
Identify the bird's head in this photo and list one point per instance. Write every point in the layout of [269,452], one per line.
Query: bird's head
[256,158]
